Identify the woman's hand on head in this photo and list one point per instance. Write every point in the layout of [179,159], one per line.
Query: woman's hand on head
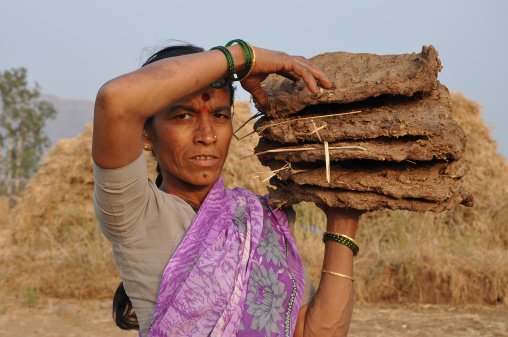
[292,67]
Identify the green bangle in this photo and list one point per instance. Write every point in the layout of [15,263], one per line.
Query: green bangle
[343,239]
[231,67]
[248,57]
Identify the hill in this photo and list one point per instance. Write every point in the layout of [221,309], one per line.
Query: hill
[72,115]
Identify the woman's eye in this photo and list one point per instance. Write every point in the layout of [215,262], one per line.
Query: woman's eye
[183,116]
[221,115]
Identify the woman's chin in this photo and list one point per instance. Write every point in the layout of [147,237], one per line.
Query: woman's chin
[204,179]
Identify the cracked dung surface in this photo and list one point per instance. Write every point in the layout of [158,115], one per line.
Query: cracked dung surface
[430,181]
[447,146]
[289,193]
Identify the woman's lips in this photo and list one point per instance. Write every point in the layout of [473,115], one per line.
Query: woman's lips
[205,160]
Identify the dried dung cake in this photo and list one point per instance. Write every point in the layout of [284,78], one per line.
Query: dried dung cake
[435,182]
[292,193]
[382,137]
[447,146]
[386,116]
[356,77]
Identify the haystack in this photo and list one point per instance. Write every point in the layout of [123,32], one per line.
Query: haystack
[381,138]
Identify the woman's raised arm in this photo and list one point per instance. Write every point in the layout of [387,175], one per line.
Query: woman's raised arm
[126,102]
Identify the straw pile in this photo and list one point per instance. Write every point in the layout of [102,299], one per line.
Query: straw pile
[381,138]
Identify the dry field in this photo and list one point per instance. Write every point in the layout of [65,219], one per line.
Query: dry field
[59,318]
[417,274]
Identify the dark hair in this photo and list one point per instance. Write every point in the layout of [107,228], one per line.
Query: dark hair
[123,311]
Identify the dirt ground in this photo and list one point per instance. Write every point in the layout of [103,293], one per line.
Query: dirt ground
[92,318]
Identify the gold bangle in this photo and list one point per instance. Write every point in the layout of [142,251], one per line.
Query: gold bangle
[337,274]
[344,235]
[253,62]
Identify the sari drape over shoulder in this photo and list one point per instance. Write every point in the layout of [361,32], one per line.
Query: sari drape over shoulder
[237,272]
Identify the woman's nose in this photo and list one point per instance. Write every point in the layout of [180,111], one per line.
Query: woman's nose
[205,132]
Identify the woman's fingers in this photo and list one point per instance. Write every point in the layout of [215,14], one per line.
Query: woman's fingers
[317,74]
[305,74]
[296,67]
[290,76]
[259,95]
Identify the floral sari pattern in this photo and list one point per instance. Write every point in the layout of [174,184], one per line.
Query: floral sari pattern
[236,272]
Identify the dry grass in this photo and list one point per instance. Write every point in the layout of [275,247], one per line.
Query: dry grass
[453,257]
[56,244]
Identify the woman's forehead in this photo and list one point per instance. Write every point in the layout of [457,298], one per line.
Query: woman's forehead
[208,96]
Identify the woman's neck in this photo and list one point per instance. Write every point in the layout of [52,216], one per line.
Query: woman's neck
[192,194]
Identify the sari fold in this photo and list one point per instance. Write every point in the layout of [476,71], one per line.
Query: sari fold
[236,272]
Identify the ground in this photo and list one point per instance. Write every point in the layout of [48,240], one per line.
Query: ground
[57,318]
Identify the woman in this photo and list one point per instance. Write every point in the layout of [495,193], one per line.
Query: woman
[235,270]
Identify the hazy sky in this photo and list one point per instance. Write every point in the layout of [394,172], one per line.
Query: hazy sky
[71,48]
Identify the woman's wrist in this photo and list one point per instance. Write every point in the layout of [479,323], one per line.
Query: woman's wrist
[238,57]
[343,221]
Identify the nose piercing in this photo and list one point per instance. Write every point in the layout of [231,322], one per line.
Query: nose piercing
[215,136]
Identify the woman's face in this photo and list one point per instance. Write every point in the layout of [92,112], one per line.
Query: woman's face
[191,138]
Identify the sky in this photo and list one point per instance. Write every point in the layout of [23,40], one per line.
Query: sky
[72,47]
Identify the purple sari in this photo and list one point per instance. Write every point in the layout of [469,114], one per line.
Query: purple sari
[237,272]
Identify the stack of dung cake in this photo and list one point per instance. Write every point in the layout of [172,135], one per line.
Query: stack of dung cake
[381,138]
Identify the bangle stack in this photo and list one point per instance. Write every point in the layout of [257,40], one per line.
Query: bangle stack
[251,66]
[343,239]
[346,241]
[250,60]
[231,67]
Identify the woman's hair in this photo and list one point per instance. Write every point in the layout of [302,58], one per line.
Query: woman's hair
[123,311]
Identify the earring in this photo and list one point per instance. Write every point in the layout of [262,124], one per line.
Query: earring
[147,147]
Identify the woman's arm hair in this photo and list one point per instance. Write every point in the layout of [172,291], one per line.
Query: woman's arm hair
[329,313]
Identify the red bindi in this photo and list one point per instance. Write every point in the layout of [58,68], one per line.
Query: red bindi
[205,97]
